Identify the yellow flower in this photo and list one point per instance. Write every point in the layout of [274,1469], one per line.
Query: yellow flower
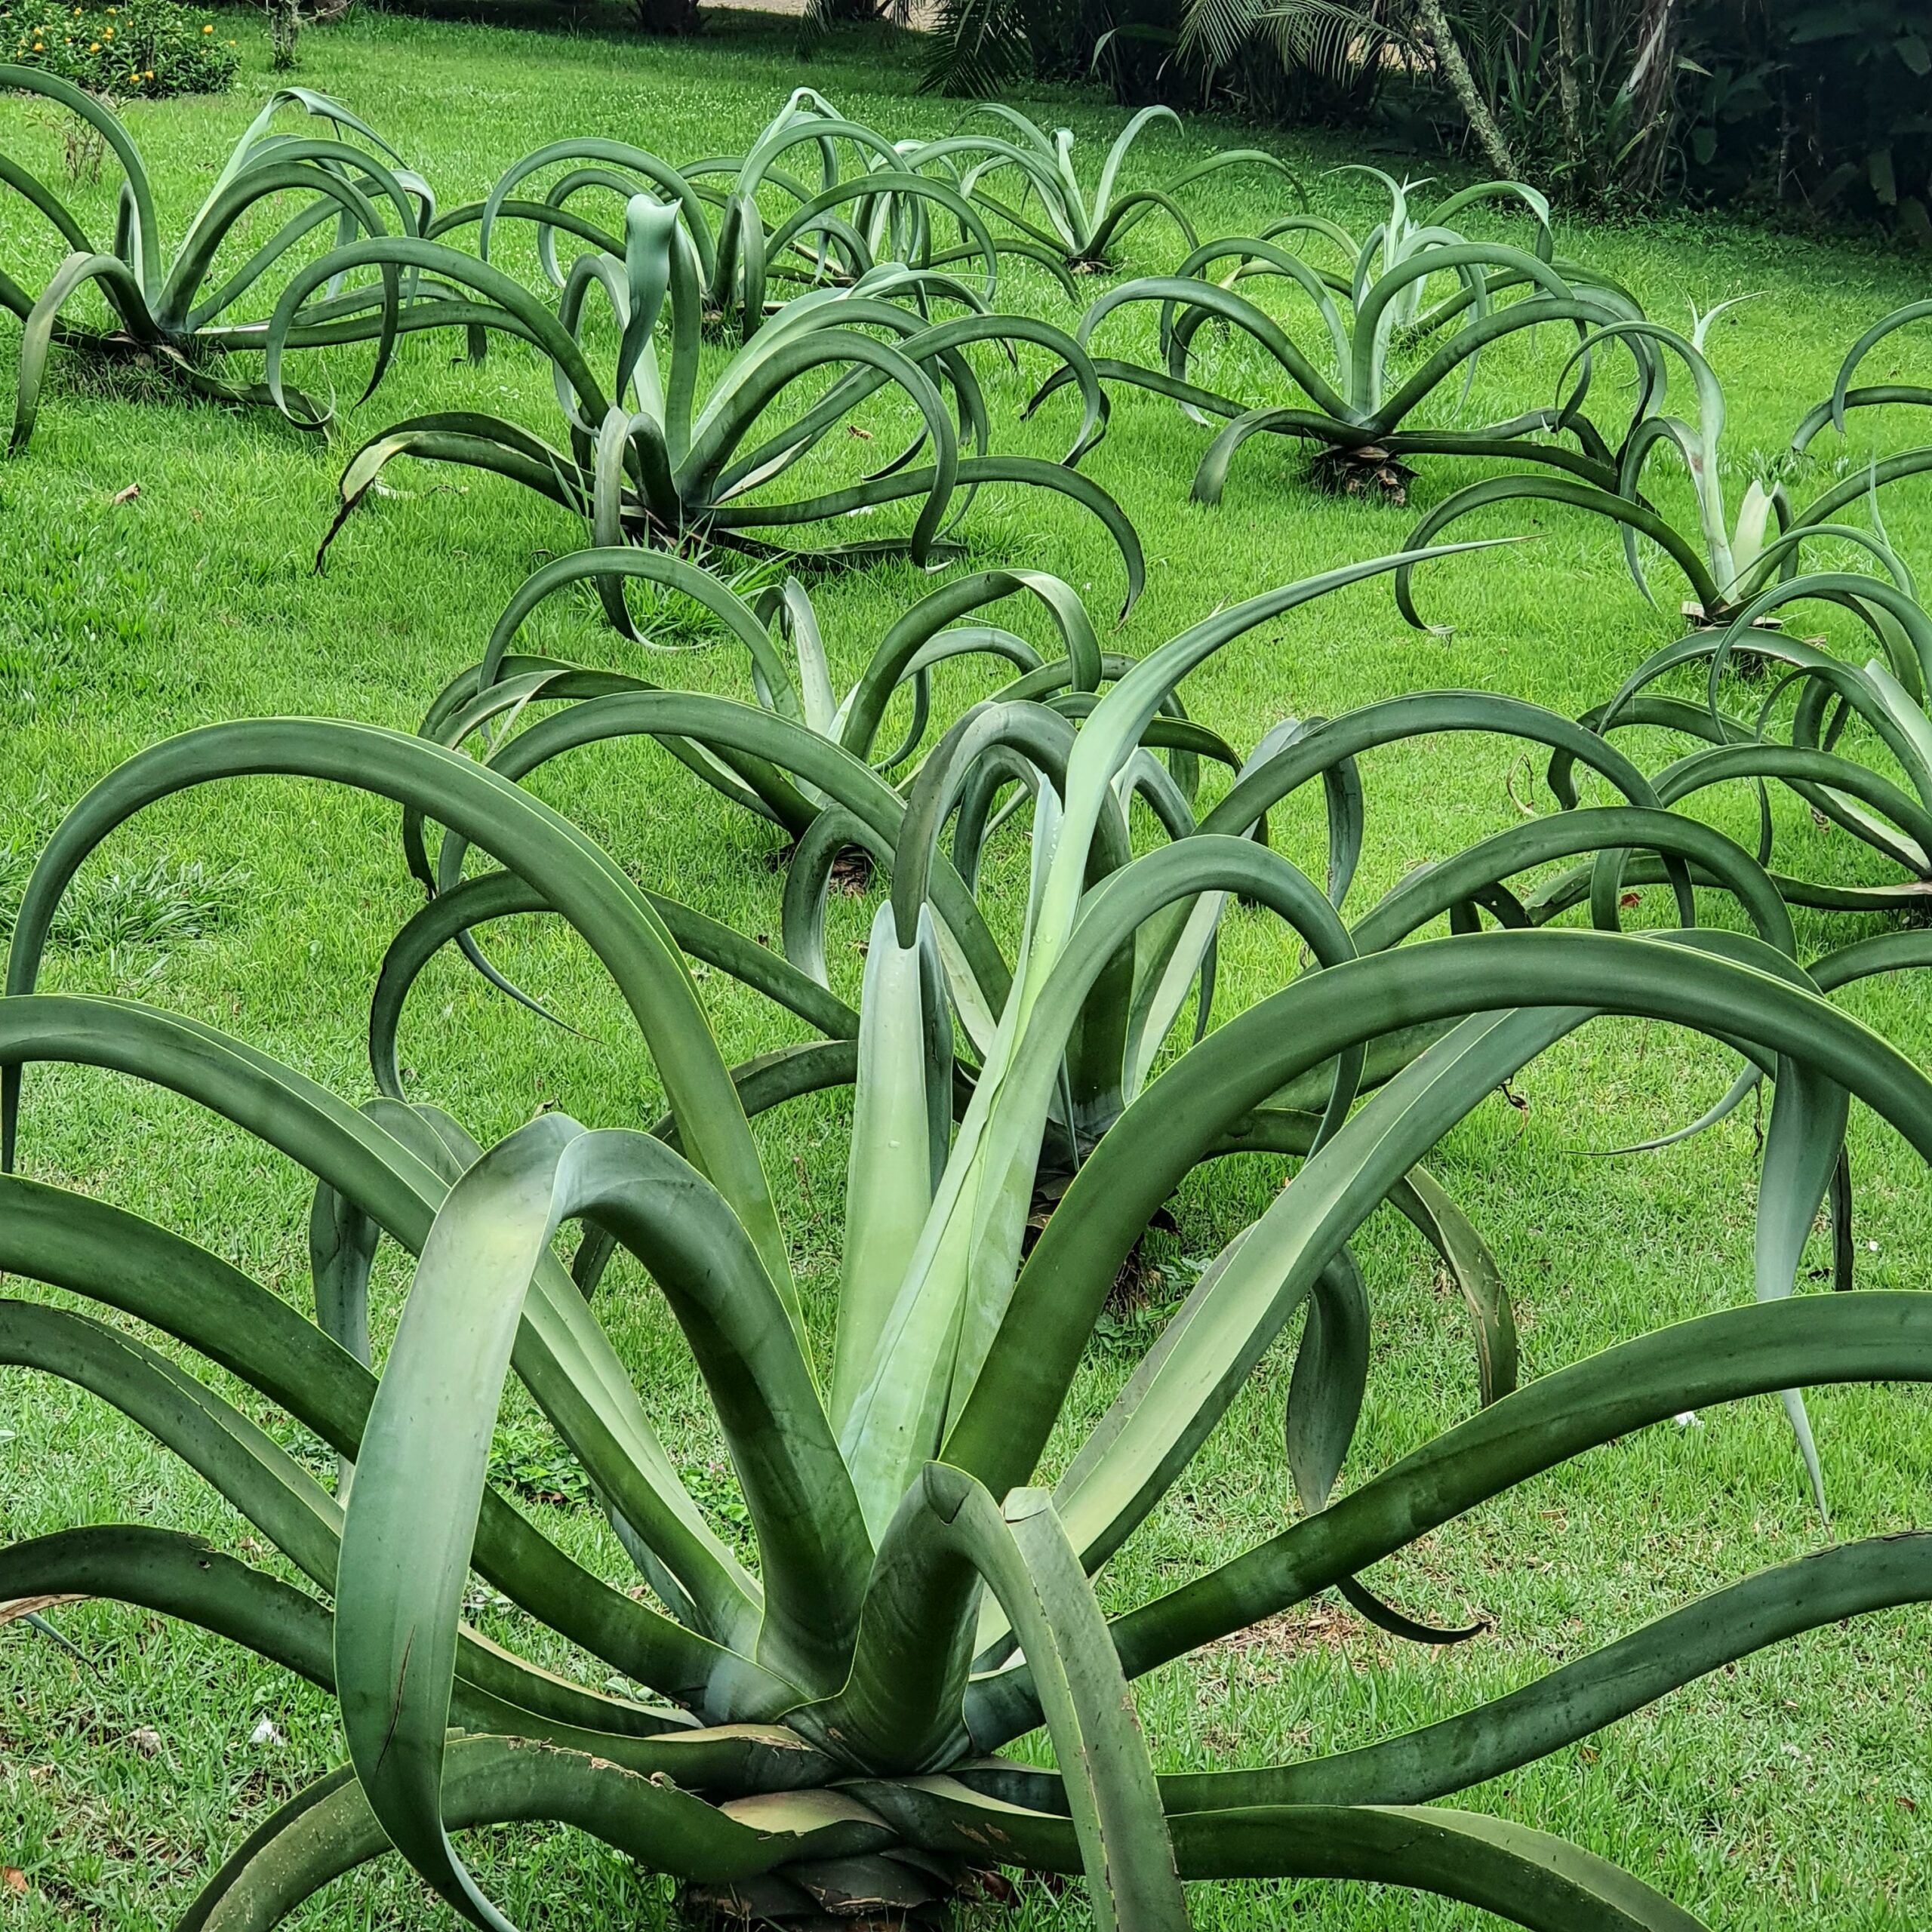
[107,33]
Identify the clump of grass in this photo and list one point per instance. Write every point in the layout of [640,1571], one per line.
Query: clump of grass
[165,902]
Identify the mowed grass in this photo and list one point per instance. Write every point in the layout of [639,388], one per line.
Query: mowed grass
[1792,1791]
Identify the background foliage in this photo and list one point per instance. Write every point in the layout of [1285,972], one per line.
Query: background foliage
[152,48]
[1822,107]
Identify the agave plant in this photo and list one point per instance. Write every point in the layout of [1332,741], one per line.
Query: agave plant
[1886,696]
[817,1737]
[1134,1014]
[828,826]
[670,464]
[1726,560]
[860,206]
[1357,408]
[163,306]
[1063,227]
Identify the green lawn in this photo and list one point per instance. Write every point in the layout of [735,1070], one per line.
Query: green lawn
[1794,1791]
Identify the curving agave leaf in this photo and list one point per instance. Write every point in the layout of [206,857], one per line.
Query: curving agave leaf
[1885,695]
[1845,397]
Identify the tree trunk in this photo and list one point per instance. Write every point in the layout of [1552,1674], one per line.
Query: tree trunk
[1569,64]
[1455,70]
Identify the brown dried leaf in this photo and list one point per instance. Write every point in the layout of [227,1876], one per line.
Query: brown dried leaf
[11,1613]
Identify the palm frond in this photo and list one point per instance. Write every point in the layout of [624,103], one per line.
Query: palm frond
[976,47]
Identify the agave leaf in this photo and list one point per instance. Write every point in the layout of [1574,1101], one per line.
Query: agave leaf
[405,1540]
[295,168]
[145,261]
[562,1355]
[911,634]
[1281,1259]
[948,1536]
[1433,889]
[124,292]
[812,760]
[1633,516]
[890,1187]
[617,154]
[529,837]
[1376,307]
[1027,1559]
[1209,300]
[332,1828]
[97,1251]
[954,1300]
[1567,1705]
[1709,1359]
[238,1460]
[1527,1877]
[502,895]
[1240,1065]
[1842,397]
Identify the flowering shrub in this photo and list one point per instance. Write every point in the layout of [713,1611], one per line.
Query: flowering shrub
[152,47]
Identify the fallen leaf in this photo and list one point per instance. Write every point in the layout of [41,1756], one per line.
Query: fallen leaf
[13,1877]
[32,1606]
[146,1742]
[1904,1803]
[127,495]
[1631,899]
[265,1733]
[852,430]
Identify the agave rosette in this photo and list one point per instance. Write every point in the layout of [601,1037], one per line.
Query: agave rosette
[1805,746]
[161,304]
[819,1734]
[992,772]
[1726,560]
[1061,225]
[1358,399]
[659,458]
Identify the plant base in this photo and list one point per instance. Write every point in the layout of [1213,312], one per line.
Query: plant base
[1369,470]
[852,867]
[896,1890]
